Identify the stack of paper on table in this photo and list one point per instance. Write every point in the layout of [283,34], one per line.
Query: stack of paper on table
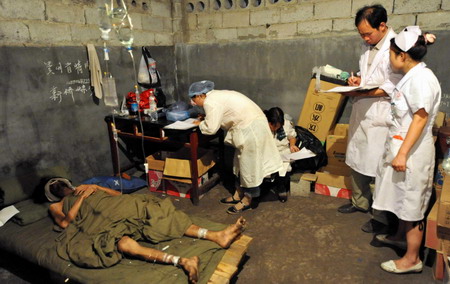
[182,124]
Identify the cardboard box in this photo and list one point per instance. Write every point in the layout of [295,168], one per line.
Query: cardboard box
[181,188]
[336,147]
[154,179]
[320,110]
[341,129]
[334,181]
[443,217]
[439,176]
[177,164]
[332,191]
[431,238]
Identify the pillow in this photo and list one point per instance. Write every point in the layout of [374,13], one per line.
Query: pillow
[15,189]
[30,212]
[113,182]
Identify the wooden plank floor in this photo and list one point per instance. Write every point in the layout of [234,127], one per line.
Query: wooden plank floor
[228,266]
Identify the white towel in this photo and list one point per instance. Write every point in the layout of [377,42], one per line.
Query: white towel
[96,71]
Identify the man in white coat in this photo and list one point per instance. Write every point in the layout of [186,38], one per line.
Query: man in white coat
[256,155]
[367,126]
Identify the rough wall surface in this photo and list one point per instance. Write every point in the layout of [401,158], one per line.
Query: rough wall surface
[241,20]
[75,22]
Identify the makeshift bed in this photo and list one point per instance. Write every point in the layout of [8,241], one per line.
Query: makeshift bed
[31,236]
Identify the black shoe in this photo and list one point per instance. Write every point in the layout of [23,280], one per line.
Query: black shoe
[350,208]
[232,201]
[233,210]
[374,226]
[283,196]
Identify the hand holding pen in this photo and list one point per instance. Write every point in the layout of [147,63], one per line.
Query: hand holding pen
[354,81]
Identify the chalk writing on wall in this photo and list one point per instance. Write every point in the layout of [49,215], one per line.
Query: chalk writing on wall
[78,82]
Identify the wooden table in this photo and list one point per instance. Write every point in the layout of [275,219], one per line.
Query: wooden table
[152,137]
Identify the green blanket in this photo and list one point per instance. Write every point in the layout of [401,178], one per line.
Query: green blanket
[90,240]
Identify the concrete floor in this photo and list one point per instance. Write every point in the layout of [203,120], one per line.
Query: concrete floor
[304,240]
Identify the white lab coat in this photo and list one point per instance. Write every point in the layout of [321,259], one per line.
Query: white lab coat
[367,126]
[406,194]
[283,145]
[248,131]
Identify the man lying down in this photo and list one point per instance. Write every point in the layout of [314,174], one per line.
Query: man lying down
[101,224]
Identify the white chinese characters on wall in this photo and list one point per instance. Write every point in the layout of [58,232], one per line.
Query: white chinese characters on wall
[72,87]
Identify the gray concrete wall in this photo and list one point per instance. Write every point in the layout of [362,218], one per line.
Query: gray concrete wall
[277,73]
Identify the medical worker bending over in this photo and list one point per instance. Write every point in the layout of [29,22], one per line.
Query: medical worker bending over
[367,126]
[256,155]
[405,174]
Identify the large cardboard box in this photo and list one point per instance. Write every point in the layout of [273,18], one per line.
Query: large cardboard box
[320,110]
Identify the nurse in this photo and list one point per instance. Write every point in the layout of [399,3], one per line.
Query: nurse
[367,126]
[405,173]
[256,155]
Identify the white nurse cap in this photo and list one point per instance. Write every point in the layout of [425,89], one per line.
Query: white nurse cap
[408,37]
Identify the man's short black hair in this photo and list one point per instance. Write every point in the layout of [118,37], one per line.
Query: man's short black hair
[374,15]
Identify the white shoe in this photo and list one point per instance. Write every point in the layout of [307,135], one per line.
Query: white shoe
[390,266]
[382,238]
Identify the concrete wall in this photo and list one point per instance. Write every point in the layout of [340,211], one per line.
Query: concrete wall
[267,48]
[75,22]
[208,21]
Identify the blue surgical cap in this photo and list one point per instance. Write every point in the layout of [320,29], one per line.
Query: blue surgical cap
[201,87]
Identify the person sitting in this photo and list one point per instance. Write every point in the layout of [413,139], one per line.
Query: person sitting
[285,138]
[247,132]
[101,224]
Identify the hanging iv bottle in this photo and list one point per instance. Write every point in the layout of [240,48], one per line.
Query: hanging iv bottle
[125,33]
[118,13]
[104,18]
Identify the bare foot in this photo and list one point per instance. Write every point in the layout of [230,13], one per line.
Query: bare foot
[190,266]
[228,235]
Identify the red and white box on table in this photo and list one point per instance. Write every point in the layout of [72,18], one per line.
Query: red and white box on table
[334,179]
[170,172]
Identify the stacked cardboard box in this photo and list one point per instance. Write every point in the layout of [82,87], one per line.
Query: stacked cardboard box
[320,110]
[334,179]
[170,172]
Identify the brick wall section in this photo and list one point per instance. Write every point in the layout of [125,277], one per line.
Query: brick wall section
[167,22]
[75,22]
[300,18]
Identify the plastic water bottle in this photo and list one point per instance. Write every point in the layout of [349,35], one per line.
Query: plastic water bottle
[446,161]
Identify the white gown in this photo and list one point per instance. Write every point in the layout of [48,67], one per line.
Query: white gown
[367,125]
[248,131]
[406,194]
[283,145]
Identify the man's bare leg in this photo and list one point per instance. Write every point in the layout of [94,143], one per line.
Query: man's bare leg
[190,265]
[223,238]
